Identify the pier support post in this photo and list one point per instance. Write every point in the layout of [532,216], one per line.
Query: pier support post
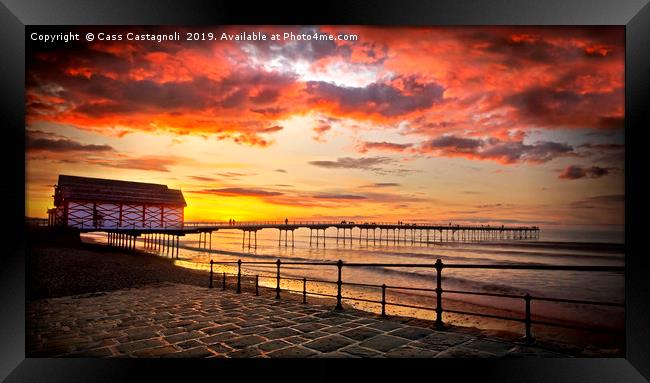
[383,300]
[239,276]
[529,336]
[277,278]
[339,284]
[439,322]
[210,285]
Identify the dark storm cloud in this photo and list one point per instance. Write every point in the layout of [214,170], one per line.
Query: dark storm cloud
[552,107]
[575,172]
[63,145]
[495,149]
[353,163]
[384,99]
[455,143]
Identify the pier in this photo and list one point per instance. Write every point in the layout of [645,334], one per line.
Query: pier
[389,233]
[127,210]
[166,240]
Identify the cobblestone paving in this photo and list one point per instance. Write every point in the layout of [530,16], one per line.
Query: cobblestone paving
[175,320]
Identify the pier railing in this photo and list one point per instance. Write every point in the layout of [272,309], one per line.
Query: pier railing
[438,266]
[225,224]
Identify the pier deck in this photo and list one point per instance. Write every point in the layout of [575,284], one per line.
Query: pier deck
[166,239]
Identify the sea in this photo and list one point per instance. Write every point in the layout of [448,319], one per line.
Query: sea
[408,285]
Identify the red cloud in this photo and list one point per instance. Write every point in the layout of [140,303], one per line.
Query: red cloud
[494,82]
[364,147]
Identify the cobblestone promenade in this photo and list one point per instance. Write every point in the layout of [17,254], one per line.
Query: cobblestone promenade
[177,320]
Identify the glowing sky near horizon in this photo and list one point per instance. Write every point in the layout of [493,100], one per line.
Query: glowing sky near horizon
[485,124]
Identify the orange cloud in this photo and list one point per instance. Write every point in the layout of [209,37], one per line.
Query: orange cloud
[496,82]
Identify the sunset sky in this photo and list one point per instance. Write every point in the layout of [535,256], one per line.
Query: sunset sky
[482,125]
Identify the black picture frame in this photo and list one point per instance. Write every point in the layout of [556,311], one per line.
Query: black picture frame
[15,15]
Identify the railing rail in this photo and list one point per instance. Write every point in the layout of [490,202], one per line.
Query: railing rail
[108,223]
[197,224]
[439,266]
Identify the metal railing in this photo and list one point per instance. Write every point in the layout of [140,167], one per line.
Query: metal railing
[196,224]
[136,224]
[439,291]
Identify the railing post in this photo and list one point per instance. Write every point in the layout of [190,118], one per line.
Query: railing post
[257,285]
[211,274]
[339,284]
[304,290]
[439,265]
[529,336]
[239,276]
[277,277]
[223,285]
[383,300]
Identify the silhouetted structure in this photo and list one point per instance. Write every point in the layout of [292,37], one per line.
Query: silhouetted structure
[84,203]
